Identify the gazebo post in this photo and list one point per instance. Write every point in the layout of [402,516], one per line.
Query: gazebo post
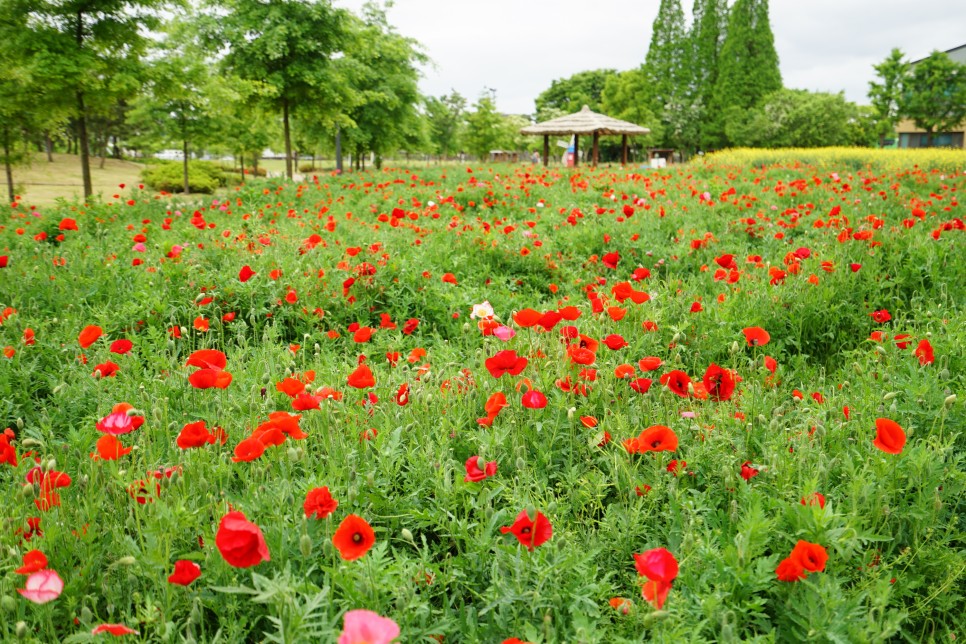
[576,150]
[595,149]
[546,149]
[624,150]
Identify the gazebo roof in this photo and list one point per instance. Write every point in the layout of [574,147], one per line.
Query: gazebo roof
[584,122]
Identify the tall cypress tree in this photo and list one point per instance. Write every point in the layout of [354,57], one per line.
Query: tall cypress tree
[748,63]
[710,21]
[664,64]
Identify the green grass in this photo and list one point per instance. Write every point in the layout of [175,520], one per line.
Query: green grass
[518,237]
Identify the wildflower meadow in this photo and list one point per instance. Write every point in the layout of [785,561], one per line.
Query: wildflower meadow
[714,402]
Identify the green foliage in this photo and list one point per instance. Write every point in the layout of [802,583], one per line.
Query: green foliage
[886,97]
[792,118]
[664,65]
[934,94]
[203,176]
[747,66]
[569,95]
[710,20]
[446,116]
[486,129]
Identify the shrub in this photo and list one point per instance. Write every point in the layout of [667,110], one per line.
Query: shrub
[203,176]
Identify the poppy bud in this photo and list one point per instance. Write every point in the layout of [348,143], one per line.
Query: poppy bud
[944,374]
[19,423]
[521,464]
[184,330]
[735,347]
[50,464]
[194,617]
[293,454]
[351,495]
[8,603]
[880,348]
[86,616]
[370,480]
[126,561]
[570,413]
[890,395]
[21,630]
[950,400]
[893,407]
[407,536]
[937,503]
[31,442]
[305,546]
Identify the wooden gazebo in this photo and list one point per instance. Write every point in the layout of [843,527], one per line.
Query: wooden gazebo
[584,123]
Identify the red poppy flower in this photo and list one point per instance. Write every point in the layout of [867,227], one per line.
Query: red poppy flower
[756,336]
[353,538]
[611,259]
[106,370]
[816,498]
[121,346]
[810,556]
[319,503]
[657,565]
[246,273]
[581,355]
[184,573]
[248,450]
[718,382]
[109,448]
[615,342]
[207,359]
[474,474]
[889,436]
[194,435]
[656,438]
[655,592]
[33,561]
[494,404]
[650,363]
[117,630]
[531,533]
[882,316]
[504,362]
[747,471]
[210,379]
[89,335]
[641,385]
[534,399]
[527,318]
[678,382]
[790,570]
[240,542]
[362,377]
[925,353]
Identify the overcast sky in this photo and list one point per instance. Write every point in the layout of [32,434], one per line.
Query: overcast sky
[518,47]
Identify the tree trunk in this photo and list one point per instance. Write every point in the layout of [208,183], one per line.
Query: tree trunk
[49,145]
[184,149]
[7,165]
[82,142]
[338,149]
[288,140]
[255,165]
[82,146]
[241,162]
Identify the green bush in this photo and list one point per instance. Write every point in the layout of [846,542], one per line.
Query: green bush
[203,176]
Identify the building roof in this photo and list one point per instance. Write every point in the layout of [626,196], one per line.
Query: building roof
[957,54]
[584,122]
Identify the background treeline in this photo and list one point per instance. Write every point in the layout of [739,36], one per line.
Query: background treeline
[112,78]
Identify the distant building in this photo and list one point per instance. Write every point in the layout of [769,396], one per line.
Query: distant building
[909,136]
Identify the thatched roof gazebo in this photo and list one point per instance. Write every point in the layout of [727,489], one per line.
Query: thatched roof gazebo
[584,123]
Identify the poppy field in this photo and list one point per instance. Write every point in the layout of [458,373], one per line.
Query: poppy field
[490,404]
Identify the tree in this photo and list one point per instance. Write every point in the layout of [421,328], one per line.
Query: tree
[569,95]
[76,44]
[379,68]
[626,97]
[485,129]
[664,64]
[934,94]
[177,105]
[795,118]
[288,45]
[887,95]
[445,116]
[704,46]
[748,65]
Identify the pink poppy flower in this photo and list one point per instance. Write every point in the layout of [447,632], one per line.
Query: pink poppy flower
[42,586]
[367,627]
